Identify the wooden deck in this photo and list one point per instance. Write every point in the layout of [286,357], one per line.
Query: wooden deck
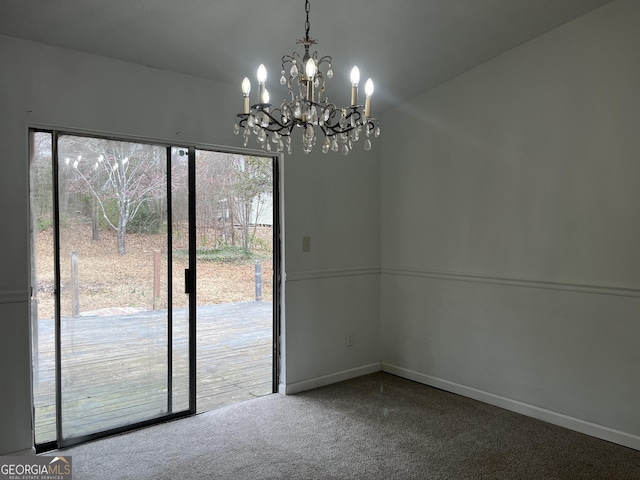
[115,366]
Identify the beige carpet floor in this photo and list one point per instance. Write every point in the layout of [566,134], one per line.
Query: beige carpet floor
[374,427]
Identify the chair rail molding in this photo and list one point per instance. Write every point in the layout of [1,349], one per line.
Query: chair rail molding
[513,281]
[334,273]
[14,296]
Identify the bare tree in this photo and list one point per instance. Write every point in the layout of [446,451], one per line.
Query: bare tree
[41,180]
[252,181]
[126,174]
[231,191]
[213,174]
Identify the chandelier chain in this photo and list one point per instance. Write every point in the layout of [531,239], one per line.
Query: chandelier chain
[307,25]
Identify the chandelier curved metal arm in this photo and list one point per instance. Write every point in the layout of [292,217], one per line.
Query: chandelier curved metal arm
[308,107]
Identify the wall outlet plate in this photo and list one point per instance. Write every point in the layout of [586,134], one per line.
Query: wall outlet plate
[350,340]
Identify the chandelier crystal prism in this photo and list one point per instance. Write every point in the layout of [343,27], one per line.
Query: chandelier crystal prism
[308,107]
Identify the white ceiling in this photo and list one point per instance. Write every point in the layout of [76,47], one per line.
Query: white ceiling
[407,46]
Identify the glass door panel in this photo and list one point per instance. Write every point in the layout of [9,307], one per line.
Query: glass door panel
[114,326]
[234,257]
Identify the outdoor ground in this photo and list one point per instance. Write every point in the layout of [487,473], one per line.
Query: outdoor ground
[107,280]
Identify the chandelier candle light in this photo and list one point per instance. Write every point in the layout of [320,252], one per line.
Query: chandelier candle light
[308,108]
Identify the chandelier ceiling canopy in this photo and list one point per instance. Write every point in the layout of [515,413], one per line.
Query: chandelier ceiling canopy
[307,107]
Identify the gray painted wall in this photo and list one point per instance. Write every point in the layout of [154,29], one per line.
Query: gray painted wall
[511,229]
[328,198]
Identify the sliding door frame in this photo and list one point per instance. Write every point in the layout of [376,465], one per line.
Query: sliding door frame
[190,274]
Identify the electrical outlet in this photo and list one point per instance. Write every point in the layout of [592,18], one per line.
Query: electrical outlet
[350,340]
[306,244]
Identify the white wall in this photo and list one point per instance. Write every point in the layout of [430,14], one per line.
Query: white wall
[511,229]
[332,290]
[333,200]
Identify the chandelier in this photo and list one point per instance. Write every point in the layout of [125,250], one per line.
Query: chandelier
[307,108]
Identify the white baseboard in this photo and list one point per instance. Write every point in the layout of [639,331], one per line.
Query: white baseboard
[316,382]
[582,426]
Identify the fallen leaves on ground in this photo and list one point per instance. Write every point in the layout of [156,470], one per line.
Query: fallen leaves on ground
[107,280]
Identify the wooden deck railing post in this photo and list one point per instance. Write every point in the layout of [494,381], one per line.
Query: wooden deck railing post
[75,286]
[258,281]
[156,279]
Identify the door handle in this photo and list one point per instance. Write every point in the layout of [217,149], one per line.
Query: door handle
[187,281]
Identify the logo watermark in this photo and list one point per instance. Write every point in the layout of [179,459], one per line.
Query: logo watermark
[35,468]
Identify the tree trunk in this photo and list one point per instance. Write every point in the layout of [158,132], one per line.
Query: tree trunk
[233,225]
[95,232]
[245,227]
[120,234]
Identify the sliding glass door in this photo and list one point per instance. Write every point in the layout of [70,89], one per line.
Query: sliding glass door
[119,230]
[116,326]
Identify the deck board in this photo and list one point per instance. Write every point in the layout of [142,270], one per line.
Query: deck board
[115,366]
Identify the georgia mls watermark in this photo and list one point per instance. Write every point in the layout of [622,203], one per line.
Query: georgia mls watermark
[35,468]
